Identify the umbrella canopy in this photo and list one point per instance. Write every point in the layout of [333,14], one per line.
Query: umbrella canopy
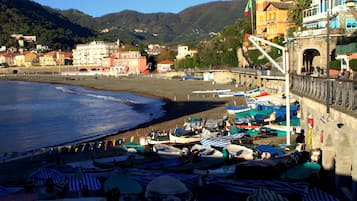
[42,175]
[167,187]
[80,180]
[125,184]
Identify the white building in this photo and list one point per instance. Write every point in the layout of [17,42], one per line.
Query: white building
[183,52]
[340,16]
[91,54]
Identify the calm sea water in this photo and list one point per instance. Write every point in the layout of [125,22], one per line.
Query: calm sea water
[35,115]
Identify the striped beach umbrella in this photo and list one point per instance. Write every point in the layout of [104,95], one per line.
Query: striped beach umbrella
[77,182]
[316,194]
[42,175]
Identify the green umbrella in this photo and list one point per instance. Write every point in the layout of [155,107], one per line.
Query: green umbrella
[125,184]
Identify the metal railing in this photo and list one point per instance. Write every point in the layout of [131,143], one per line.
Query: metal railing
[343,93]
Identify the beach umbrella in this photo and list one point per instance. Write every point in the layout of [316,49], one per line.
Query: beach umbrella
[125,184]
[317,194]
[80,180]
[42,175]
[167,187]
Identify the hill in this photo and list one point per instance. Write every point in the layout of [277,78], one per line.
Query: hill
[62,29]
[30,18]
[192,24]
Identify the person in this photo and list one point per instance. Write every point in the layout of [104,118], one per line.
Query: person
[351,74]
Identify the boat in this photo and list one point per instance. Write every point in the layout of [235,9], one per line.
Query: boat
[202,157]
[182,136]
[211,91]
[239,152]
[167,151]
[131,161]
[161,164]
[226,94]
[156,137]
[224,171]
[232,109]
[206,151]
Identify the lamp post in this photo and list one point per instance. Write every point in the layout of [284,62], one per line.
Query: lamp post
[328,59]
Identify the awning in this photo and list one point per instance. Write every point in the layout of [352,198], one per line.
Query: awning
[346,49]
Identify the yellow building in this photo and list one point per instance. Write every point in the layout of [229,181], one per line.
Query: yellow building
[27,59]
[272,18]
[52,58]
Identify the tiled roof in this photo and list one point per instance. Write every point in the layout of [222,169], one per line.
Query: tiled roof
[278,5]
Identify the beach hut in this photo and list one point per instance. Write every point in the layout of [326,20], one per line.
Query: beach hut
[43,175]
[167,188]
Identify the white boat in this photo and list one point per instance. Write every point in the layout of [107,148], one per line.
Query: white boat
[167,151]
[239,152]
[230,94]
[206,151]
[211,91]
[181,136]
[231,109]
[156,137]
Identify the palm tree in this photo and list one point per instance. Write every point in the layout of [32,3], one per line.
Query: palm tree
[296,11]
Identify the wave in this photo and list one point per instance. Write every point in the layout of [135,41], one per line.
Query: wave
[111,98]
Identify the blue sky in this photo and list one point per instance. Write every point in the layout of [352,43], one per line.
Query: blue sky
[97,8]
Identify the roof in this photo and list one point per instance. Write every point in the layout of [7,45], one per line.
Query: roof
[278,5]
[166,62]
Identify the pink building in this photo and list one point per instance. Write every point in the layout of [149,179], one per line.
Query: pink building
[125,62]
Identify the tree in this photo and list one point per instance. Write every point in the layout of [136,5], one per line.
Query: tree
[296,11]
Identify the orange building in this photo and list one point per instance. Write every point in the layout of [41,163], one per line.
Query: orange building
[272,18]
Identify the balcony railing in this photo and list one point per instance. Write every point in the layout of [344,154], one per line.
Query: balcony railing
[343,93]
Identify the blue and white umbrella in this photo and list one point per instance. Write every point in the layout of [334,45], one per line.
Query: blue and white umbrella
[315,194]
[78,181]
[41,176]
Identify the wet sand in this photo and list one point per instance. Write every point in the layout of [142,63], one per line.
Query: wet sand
[181,104]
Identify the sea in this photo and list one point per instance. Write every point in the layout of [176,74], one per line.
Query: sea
[38,115]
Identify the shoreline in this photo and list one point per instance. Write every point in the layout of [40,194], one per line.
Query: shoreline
[181,104]
[176,108]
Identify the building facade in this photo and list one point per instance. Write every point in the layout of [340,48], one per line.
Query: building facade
[91,54]
[184,52]
[340,16]
[125,62]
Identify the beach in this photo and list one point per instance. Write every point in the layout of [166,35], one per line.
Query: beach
[181,105]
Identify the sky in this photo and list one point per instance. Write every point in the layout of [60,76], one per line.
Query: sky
[97,8]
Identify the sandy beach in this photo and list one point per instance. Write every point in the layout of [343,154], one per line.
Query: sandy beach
[181,104]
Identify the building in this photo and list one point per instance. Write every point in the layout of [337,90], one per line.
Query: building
[183,52]
[26,59]
[277,22]
[91,54]
[341,17]
[125,62]
[272,18]
[8,58]
[153,49]
[164,66]
[52,58]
